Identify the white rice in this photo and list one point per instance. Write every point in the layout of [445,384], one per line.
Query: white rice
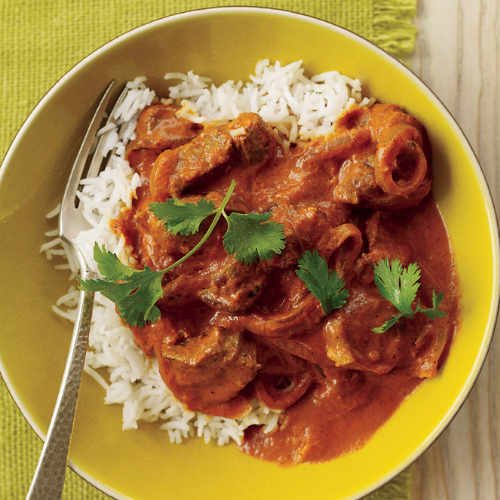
[299,108]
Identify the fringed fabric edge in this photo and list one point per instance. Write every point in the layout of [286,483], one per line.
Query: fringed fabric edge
[393,26]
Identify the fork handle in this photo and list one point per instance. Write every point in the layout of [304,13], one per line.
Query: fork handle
[48,481]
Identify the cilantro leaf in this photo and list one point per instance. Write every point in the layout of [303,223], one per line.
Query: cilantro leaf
[139,307]
[183,218]
[133,291]
[110,266]
[399,286]
[252,236]
[387,279]
[434,313]
[396,284]
[409,287]
[388,324]
[327,287]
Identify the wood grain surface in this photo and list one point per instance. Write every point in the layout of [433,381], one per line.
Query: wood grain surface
[458,56]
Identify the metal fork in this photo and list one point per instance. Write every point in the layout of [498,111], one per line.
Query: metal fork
[48,481]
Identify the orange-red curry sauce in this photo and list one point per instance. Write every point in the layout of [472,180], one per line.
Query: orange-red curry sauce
[230,332]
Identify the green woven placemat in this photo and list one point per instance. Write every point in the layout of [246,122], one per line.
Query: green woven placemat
[40,40]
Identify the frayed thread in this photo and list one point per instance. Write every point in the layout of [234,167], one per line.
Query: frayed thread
[393,26]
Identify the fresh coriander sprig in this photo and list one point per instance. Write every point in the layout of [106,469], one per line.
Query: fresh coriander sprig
[327,287]
[253,236]
[135,292]
[399,286]
[249,237]
[184,218]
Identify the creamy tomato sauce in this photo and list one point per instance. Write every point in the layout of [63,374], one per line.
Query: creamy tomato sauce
[230,332]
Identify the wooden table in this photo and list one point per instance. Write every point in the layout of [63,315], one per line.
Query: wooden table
[458,56]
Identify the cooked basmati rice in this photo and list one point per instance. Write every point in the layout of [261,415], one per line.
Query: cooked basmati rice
[299,108]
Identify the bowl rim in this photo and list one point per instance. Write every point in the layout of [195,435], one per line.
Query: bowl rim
[480,176]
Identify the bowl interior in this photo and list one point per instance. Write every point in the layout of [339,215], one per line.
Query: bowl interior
[224,44]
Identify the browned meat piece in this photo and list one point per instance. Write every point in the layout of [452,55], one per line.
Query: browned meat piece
[160,128]
[350,340]
[307,228]
[324,229]
[209,369]
[236,286]
[252,139]
[278,314]
[308,174]
[246,141]
[343,390]
[182,290]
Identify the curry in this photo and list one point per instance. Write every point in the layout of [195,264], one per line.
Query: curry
[230,331]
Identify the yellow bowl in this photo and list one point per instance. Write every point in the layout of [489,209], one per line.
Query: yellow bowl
[225,43]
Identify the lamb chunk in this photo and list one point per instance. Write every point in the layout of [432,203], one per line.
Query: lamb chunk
[247,141]
[236,287]
[252,139]
[209,369]
[159,128]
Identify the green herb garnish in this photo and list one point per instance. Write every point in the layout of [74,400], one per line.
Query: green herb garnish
[399,286]
[135,292]
[327,287]
[183,218]
[253,236]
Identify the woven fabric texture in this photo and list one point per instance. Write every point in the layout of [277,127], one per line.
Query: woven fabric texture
[40,40]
